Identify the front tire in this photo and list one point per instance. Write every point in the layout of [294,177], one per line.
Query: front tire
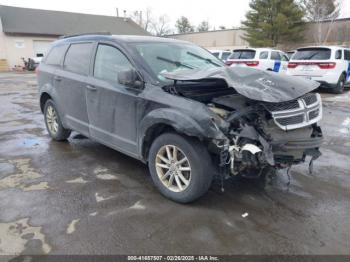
[339,89]
[180,167]
[53,122]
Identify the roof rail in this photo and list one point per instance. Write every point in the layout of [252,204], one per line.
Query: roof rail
[96,33]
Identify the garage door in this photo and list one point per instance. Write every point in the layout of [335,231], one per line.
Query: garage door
[41,47]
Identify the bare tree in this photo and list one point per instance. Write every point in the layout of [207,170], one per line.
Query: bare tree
[143,19]
[322,13]
[160,26]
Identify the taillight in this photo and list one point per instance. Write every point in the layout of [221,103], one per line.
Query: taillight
[292,65]
[252,63]
[326,65]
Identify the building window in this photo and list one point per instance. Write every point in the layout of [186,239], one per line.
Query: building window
[19,44]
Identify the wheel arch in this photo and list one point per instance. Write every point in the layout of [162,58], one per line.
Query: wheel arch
[43,98]
[168,120]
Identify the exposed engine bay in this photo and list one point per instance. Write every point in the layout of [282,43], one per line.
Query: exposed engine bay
[262,133]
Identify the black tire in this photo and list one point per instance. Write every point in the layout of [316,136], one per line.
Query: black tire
[339,89]
[62,133]
[202,170]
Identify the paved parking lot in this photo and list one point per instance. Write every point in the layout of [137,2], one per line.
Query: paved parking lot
[81,197]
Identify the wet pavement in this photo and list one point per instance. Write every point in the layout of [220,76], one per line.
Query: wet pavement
[80,197]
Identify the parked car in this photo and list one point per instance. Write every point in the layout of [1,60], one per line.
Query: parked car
[221,54]
[328,65]
[260,58]
[176,107]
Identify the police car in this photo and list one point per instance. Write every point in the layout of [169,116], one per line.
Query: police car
[261,58]
[329,65]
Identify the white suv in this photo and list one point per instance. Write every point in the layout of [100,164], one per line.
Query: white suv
[328,65]
[221,54]
[261,58]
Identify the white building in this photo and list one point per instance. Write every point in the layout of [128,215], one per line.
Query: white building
[28,32]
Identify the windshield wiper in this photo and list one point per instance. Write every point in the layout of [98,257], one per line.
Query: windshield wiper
[177,63]
[203,58]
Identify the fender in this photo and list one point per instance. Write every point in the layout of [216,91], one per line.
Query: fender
[181,122]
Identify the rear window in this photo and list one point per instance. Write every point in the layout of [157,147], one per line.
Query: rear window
[56,54]
[78,58]
[243,54]
[312,54]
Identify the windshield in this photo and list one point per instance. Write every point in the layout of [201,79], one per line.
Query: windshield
[170,57]
[312,54]
[243,54]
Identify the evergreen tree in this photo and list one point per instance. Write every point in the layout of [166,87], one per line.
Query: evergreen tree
[271,22]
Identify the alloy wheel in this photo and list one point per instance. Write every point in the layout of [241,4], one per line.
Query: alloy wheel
[173,168]
[52,120]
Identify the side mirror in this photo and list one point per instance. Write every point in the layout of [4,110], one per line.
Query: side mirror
[130,78]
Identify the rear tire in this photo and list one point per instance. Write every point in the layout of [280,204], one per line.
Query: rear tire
[167,175]
[53,122]
[339,89]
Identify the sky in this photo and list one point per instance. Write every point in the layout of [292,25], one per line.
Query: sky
[228,13]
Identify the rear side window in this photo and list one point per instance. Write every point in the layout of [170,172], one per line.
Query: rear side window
[78,58]
[312,54]
[56,55]
[243,54]
[347,55]
[275,55]
[338,54]
[108,62]
[216,54]
[264,55]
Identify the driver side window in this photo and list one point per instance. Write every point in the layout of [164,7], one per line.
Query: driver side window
[108,62]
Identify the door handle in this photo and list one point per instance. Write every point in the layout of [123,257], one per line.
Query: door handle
[90,87]
[57,78]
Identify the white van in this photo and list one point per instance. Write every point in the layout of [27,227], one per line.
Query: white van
[328,65]
[260,58]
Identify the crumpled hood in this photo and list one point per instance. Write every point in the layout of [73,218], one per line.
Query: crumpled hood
[251,83]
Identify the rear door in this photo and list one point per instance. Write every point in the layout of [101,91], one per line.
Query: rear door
[308,62]
[71,82]
[111,106]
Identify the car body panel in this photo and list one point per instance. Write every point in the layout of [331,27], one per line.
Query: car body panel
[252,83]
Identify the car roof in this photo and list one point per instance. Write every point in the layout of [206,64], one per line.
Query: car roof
[118,38]
[258,49]
[324,46]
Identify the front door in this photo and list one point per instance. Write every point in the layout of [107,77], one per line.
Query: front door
[112,107]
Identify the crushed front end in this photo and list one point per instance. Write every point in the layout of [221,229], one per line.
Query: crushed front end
[269,121]
[264,135]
